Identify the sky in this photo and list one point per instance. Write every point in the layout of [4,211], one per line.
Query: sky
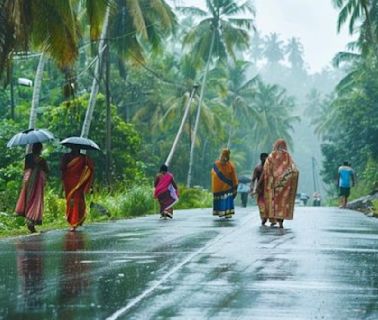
[312,21]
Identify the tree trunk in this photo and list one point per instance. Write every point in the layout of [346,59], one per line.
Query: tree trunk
[108,119]
[230,130]
[36,94]
[11,87]
[179,132]
[198,115]
[37,91]
[97,77]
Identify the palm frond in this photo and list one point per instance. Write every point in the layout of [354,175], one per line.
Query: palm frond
[95,10]
[136,14]
[345,57]
[192,11]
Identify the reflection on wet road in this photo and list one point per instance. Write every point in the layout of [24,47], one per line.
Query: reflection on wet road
[321,266]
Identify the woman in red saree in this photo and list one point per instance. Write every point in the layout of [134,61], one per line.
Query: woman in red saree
[30,201]
[77,175]
[166,191]
[224,185]
[280,183]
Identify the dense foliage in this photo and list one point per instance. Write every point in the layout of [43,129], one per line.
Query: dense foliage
[348,120]
[146,69]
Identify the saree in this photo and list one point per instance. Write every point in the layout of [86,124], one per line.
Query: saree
[166,192]
[280,183]
[224,183]
[30,201]
[77,180]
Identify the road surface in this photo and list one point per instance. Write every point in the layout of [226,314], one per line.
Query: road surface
[322,265]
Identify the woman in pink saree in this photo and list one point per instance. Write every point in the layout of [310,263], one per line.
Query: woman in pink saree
[30,201]
[166,192]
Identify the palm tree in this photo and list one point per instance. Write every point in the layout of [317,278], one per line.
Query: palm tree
[257,47]
[217,35]
[362,15]
[275,119]
[50,26]
[134,26]
[240,95]
[273,49]
[294,50]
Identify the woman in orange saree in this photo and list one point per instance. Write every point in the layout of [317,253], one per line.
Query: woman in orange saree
[30,201]
[280,183]
[224,185]
[77,175]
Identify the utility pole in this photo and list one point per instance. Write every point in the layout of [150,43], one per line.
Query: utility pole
[108,118]
[314,176]
[179,132]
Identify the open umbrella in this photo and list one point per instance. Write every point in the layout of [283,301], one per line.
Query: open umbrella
[30,136]
[82,143]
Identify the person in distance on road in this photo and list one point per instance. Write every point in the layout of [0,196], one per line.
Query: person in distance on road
[345,182]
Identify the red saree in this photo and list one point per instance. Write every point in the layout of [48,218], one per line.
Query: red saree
[280,183]
[77,176]
[30,201]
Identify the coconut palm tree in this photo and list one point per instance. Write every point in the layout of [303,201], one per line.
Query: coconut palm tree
[134,26]
[218,34]
[275,119]
[294,50]
[50,26]
[240,95]
[362,16]
[273,51]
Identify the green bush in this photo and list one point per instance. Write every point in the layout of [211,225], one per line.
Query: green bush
[136,201]
[194,198]
[55,208]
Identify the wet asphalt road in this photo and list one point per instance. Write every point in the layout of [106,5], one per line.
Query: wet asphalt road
[323,265]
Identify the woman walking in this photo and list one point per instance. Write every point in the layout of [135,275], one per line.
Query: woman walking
[77,176]
[224,185]
[280,184]
[166,191]
[30,202]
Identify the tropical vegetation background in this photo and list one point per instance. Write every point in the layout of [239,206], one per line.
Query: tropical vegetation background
[133,75]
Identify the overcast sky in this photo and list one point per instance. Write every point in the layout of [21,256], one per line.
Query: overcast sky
[313,21]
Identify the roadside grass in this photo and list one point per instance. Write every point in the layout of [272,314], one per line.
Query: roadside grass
[102,207]
[375,208]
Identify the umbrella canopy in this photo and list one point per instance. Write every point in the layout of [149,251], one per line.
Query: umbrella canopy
[244,179]
[30,136]
[82,143]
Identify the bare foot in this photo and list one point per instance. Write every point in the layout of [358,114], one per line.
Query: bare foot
[72,229]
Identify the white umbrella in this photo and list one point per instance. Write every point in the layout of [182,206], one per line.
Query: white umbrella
[30,136]
[82,143]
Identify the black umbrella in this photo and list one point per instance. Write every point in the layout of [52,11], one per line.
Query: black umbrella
[30,136]
[244,179]
[82,143]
